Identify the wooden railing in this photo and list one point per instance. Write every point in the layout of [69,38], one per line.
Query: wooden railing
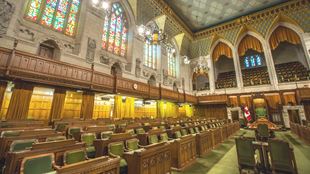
[20,65]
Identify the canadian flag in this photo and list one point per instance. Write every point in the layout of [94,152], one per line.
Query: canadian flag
[247,113]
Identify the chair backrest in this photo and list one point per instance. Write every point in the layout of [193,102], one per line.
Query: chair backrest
[61,127]
[88,139]
[196,129]
[37,164]
[116,148]
[132,144]
[191,130]
[162,127]
[164,137]
[140,131]
[177,134]
[262,130]
[74,156]
[131,131]
[184,132]
[153,139]
[57,138]
[74,130]
[9,134]
[245,151]
[20,145]
[282,158]
[106,134]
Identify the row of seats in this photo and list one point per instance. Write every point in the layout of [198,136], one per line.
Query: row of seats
[301,131]
[255,76]
[71,148]
[292,72]
[226,80]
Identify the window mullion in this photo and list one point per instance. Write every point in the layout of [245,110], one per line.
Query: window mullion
[55,12]
[42,9]
[67,16]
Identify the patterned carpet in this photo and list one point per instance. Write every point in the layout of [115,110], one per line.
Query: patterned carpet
[223,159]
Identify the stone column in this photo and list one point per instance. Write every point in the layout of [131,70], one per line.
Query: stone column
[211,74]
[237,68]
[270,65]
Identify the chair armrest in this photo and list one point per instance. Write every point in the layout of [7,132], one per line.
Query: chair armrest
[114,156]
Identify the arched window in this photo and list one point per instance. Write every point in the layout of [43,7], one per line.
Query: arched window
[151,54]
[60,15]
[115,31]
[252,61]
[172,63]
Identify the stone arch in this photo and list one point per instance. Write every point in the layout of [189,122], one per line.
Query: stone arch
[152,80]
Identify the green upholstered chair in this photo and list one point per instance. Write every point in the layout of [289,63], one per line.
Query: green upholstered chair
[61,127]
[9,134]
[164,137]
[74,156]
[40,164]
[191,130]
[153,139]
[162,127]
[57,138]
[130,131]
[197,130]
[73,132]
[20,145]
[246,154]
[184,132]
[106,135]
[132,144]
[262,132]
[111,127]
[282,157]
[88,139]
[140,131]
[177,134]
[116,149]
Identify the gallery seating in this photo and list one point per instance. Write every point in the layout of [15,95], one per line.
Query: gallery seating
[292,72]
[255,76]
[226,80]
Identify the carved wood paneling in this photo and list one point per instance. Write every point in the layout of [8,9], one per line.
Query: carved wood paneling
[190,99]
[169,94]
[154,92]
[213,99]
[127,86]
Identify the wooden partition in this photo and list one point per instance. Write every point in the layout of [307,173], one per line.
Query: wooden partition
[204,142]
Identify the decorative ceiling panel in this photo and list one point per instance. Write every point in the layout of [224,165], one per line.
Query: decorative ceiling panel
[201,14]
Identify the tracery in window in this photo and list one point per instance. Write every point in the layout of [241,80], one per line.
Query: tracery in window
[252,61]
[60,15]
[172,63]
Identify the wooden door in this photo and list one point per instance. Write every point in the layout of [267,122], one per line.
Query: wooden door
[46,52]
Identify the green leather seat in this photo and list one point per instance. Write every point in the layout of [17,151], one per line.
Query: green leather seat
[57,138]
[246,154]
[73,131]
[88,139]
[282,157]
[153,139]
[38,164]
[132,144]
[262,132]
[197,130]
[9,134]
[130,131]
[61,127]
[184,132]
[106,135]
[164,137]
[20,145]
[162,127]
[74,156]
[191,130]
[116,149]
[177,134]
[140,131]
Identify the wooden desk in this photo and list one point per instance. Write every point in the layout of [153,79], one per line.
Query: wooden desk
[204,142]
[153,160]
[183,152]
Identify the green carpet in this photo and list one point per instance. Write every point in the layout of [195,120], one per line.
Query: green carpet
[223,159]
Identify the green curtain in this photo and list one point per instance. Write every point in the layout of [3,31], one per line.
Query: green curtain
[19,103]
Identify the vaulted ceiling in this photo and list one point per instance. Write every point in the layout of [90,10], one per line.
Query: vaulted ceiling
[201,14]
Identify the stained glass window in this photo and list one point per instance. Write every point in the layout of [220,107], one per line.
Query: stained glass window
[60,15]
[172,63]
[115,31]
[151,54]
[252,61]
